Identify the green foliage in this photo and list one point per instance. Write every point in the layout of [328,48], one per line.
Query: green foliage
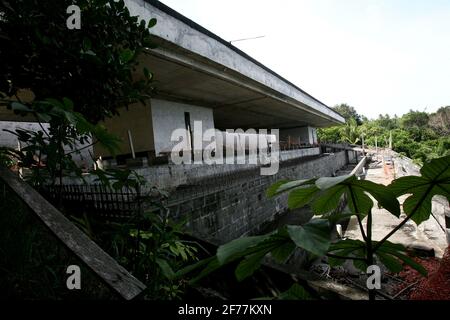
[348,112]
[96,66]
[414,119]
[295,292]
[313,236]
[435,180]
[5,158]
[417,135]
[393,255]
[325,195]
[330,135]
[350,132]
[90,73]
[149,246]
[47,153]
[33,262]
[119,178]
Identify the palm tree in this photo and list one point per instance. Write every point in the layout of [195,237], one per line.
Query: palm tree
[350,132]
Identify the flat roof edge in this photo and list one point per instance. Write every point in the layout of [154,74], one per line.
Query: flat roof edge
[177,16]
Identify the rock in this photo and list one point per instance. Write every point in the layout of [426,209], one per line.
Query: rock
[420,250]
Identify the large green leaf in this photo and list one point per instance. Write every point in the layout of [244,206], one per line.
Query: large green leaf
[325,183]
[283,252]
[358,202]
[212,265]
[314,236]
[382,194]
[420,204]
[301,196]
[273,189]
[389,261]
[165,268]
[437,169]
[360,265]
[328,200]
[347,244]
[435,180]
[336,217]
[399,252]
[237,248]
[286,185]
[249,265]
[356,192]
[295,292]
[253,250]
[17,106]
[347,248]
[408,184]
[195,266]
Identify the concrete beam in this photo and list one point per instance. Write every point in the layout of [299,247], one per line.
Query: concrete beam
[243,82]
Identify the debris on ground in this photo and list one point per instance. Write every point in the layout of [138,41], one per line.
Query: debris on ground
[437,285]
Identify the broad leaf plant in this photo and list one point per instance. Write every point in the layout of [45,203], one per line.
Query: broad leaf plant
[324,196]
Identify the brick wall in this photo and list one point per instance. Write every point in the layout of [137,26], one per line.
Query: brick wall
[222,210]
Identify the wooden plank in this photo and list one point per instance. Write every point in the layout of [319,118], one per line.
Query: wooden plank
[113,274]
[359,167]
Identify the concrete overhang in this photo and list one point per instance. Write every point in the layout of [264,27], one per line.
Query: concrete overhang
[194,65]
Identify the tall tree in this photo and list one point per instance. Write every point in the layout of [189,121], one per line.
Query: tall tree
[350,132]
[386,122]
[415,119]
[94,66]
[348,112]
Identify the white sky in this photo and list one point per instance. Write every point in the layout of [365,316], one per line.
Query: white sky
[380,56]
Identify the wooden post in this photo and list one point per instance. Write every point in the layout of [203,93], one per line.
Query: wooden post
[74,239]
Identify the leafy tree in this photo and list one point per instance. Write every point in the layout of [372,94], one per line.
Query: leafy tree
[331,134]
[88,73]
[96,66]
[348,112]
[387,122]
[443,146]
[350,132]
[417,135]
[414,119]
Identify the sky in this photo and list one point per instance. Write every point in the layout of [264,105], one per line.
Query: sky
[379,56]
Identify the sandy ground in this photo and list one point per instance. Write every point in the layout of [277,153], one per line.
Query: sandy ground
[429,233]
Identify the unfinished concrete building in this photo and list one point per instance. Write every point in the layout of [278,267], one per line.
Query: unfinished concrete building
[201,77]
